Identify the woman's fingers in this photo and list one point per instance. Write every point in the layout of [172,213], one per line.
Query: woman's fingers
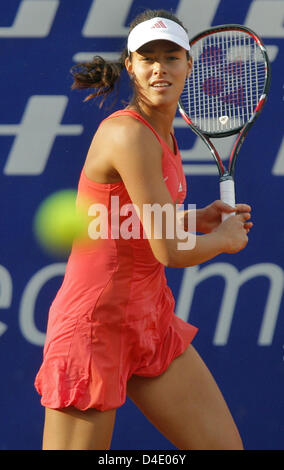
[242,208]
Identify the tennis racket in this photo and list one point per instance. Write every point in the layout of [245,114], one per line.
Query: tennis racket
[225,92]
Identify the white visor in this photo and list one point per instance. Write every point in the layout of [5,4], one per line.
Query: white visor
[154,29]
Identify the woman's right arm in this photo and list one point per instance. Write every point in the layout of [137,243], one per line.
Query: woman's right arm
[135,153]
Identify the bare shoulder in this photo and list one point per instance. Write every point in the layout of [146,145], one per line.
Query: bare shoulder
[126,132]
[127,147]
[114,144]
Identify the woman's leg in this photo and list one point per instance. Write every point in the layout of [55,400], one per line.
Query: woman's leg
[186,405]
[72,429]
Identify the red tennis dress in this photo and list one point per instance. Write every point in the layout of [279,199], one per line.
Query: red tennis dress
[113,315]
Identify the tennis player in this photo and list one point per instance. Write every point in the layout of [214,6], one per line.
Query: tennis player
[112,330]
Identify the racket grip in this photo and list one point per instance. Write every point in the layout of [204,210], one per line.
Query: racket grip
[227,195]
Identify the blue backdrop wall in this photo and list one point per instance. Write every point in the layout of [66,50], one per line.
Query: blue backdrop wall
[45,131]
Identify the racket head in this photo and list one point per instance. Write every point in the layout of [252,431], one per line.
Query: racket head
[229,82]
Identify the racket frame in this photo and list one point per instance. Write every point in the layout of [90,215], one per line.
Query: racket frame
[242,130]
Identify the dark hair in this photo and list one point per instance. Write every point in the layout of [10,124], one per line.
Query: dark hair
[103,75]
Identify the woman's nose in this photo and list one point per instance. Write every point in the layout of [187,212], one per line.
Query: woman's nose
[159,68]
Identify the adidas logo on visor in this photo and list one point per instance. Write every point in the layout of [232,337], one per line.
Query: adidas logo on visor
[160,24]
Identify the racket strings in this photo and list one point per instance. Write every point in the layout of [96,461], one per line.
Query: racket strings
[227,81]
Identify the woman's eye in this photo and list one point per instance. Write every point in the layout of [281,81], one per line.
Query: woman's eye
[151,59]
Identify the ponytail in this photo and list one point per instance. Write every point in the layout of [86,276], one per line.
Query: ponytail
[99,74]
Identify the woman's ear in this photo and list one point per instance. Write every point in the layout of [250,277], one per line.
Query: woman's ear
[190,64]
[129,68]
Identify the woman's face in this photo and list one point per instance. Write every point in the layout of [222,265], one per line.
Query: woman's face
[159,70]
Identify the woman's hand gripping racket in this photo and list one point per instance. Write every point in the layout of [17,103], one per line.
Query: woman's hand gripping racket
[225,92]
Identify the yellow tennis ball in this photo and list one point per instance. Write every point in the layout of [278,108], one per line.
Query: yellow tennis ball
[58,222]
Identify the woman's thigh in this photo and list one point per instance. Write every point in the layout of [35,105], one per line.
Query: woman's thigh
[186,405]
[72,429]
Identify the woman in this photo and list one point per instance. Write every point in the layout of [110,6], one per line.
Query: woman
[112,330]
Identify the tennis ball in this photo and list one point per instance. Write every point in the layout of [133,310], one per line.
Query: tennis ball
[58,222]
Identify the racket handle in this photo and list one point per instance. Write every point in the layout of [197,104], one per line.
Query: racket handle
[227,194]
